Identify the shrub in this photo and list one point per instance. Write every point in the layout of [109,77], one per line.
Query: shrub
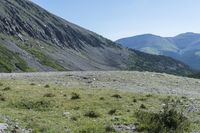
[2,98]
[74,118]
[75,96]
[149,95]
[76,108]
[101,98]
[116,96]
[6,89]
[134,100]
[49,95]
[47,86]
[112,111]
[1,84]
[169,120]
[143,99]
[109,129]
[38,105]
[32,84]
[142,106]
[92,114]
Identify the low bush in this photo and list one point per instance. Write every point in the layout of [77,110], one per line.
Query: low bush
[149,95]
[101,98]
[37,105]
[109,128]
[116,96]
[143,99]
[92,114]
[169,120]
[49,95]
[135,100]
[112,111]
[32,84]
[6,89]
[47,86]
[142,106]
[75,96]
[2,98]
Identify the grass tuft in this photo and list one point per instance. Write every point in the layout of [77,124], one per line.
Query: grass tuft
[75,96]
[47,86]
[92,114]
[112,111]
[2,98]
[49,95]
[37,105]
[6,89]
[117,96]
[142,106]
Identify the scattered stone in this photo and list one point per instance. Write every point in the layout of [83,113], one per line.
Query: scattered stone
[3,126]
[125,128]
[66,114]
[89,82]
[26,131]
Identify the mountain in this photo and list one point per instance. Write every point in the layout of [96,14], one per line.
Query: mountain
[32,39]
[149,43]
[184,47]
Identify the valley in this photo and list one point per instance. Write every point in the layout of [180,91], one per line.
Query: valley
[93,101]
[58,77]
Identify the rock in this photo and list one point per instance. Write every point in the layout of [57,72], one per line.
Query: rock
[125,128]
[26,131]
[66,114]
[3,126]
[67,130]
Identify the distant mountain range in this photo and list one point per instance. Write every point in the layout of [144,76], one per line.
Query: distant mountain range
[32,39]
[184,47]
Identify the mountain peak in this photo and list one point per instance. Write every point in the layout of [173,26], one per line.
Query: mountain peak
[188,34]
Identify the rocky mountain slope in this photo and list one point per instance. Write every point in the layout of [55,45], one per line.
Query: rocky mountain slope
[33,39]
[184,47]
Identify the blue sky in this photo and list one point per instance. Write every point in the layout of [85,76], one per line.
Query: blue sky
[115,19]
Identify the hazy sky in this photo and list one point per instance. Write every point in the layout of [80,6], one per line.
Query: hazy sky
[115,19]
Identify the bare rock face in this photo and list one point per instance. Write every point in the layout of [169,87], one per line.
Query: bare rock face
[45,42]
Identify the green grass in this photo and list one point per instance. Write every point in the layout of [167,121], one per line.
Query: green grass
[157,64]
[195,75]
[93,110]
[10,61]
[170,119]
[45,60]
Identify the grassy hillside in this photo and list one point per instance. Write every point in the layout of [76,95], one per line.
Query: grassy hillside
[10,62]
[146,62]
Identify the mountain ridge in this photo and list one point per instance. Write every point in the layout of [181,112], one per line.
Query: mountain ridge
[184,47]
[42,41]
